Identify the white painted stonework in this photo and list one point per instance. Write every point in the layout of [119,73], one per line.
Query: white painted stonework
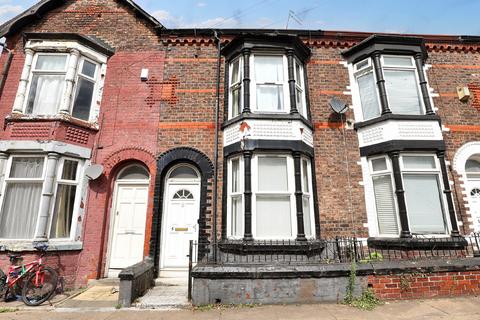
[399,130]
[268,130]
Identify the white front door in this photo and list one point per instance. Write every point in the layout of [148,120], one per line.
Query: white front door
[129,217]
[474,201]
[182,205]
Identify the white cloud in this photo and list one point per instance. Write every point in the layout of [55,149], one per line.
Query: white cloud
[167,19]
[8,11]
[201,4]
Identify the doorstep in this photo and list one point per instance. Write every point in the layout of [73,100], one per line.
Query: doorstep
[169,293]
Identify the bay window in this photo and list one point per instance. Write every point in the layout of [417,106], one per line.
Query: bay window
[273,197]
[401,81]
[424,199]
[268,84]
[85,89]
[24,197]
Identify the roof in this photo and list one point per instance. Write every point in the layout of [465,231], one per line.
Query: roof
[43,6]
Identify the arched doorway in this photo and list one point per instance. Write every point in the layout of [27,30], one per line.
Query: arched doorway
[128,217]
[472,170]
[181,207]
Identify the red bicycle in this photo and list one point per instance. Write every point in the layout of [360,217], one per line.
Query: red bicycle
[37,281]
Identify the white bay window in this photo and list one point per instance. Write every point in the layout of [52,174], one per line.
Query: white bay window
[22,197]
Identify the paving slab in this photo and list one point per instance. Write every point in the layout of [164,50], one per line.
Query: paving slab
[166,297]
[97,296]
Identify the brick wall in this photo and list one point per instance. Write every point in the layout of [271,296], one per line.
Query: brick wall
[425,285]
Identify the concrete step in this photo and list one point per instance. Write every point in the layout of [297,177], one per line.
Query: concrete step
[179,282]
[165,297]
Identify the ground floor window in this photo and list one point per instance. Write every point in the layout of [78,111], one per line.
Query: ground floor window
[27,196]
[424,200]
[273,202]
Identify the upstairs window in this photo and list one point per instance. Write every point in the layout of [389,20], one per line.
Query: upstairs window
[401,84]
[269,87]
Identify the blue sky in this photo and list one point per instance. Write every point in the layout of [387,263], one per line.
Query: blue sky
[406,16]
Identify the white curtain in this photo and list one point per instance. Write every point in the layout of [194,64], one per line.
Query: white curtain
[268,74]
[385,205]
[402,91]
[273,218]
[45,94]
[237,216]
[424,207]
[307,223]
[22,199]
[368,96]
[272,174]
[51,62]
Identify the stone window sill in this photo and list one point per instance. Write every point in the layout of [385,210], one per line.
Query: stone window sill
[17,246]
[308,247]
[415,243]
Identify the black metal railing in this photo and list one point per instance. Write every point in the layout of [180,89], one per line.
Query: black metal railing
[338,250]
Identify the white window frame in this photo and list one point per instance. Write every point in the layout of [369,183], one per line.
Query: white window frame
[58,171]
[437,171]
[388,171]
[308,194]
[284,83]
[300,85]
[38,180]
[232,86]
[404,68]
[34,71]
[230,195]
[290,192]
[356,72]
[76,207]
[95,81]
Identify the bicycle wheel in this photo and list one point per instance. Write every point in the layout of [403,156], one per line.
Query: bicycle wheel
[3,284]
[37,290]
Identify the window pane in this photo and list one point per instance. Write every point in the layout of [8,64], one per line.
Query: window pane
[236,101]
[69,170]
[379,164]
[307,216]
[235,71]
[83,99]
[402,92]
[45,94]
[299,98]
[273,217]
[398,61]
[237,216]
[136,172]
[272,174]
[424,208]
[385,205]
[20,210]
[268,69]
[305,182]
[89,68]
[63,211]
[298,75]
[51,62]
[235,175]
[368,96]
[362,64]
[472,166]
[27,167]
[270,97]
[419,162]
[184,172]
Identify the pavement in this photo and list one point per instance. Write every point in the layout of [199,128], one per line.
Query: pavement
[452,308]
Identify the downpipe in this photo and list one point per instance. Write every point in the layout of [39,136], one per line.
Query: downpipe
[215,155]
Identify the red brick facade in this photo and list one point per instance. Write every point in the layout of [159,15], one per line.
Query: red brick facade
[175,107]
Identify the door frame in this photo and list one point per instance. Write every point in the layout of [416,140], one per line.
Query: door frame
[112,215]
[183,181]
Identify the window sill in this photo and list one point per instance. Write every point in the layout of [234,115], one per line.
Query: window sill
[18,117]
[308,247]
[269,116]
[417,243]
[400,117]
[22,245]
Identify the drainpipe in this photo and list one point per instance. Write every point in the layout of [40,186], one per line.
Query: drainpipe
[215,155]
[6,67]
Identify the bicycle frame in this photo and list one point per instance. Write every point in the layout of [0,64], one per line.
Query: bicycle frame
[15,273]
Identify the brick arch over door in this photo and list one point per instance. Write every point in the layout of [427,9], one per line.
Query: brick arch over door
[165,162]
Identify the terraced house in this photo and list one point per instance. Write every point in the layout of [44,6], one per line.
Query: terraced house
[265,153]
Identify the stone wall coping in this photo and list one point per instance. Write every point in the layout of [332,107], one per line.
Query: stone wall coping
[334,269]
